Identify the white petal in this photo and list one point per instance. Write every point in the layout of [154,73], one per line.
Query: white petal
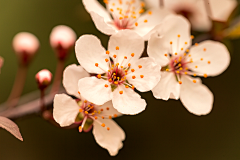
[109,110]
[168,87]
[128,42]
[222,10]
[94,90]
[159,43]
[89,51]
[152,3]
[150,71]
[11,127]
[65,109]
[103,25]
[109,139]
[216,53]
[153,19]
[71,75]
[196,97]
[95,6]
[129,102]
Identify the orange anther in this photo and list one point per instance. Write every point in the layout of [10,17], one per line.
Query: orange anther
[110,117]
[120,92]
[96,64]
[108,128]
[103,125]
[115,82]
[194,81]
[185,72]
[179,36]
[150,12]
[196,44]
[101,109]
[106,60]
[136,24]
[117,48]
[167,69]
[110,80]
[80,110]
[99,76]
[95,117]
[204,49]
[107,108]
[107,52]
[139,66]
[125,57]
[115,56]
[85,101]
[78,92]
[209,62]
[145,21]
[205,75]
[165,55]
[80,128]
[201,59]
[133,77]
[187,50]
[115,115]
[111,10]
[132,54]
[180,82]
[86,112]
[196,66]
[192,36]
[185,42]
[120,18]
[194,74]
[126,86]
[129,64]
[133,87]
[106,85]
[132,70]
[141,76]
[171,42]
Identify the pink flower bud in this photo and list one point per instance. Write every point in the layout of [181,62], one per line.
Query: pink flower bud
[43,78]
[62,40]
[25,45]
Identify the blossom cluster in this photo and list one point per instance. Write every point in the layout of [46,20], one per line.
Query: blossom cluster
[105,84]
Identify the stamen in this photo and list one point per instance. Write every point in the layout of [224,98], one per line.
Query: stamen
[107,52]
[180,82]
[150,12]
[133,77]
[108,128]
[106,85]
[115,115]
[194,81]
[132,54]
[115,56]
[117,48]
[139,66]
[99,75]
[80,110]
[141,76]
[132,70]
[136,24]
[103,125]
[205,75]
[209,62]
[145,21]
[106,60]
[96,64]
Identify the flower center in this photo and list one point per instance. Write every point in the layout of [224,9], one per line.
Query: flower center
[125,14]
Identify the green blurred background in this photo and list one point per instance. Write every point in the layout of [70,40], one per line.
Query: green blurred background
[166,130]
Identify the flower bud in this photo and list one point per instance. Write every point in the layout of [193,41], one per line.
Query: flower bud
[25,46]
[62,40]
[43,78]
[1,63]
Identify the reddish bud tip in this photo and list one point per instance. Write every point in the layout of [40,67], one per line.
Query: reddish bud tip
[43,78]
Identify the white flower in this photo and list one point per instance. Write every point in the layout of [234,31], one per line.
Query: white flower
[169,46]
[67,111]
[124,14]
[119,69]
[196,11]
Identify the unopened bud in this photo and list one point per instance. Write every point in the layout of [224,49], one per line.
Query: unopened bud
[1,63]
[43,78]
[25,46]
[62,40]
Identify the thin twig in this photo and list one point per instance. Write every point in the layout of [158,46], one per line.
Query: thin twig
[57,77]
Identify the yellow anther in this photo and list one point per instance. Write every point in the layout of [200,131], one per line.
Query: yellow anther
[185,42]
[133,87]
[150,12]
[99,76]
[86,112]
[179,36]
[80,110]
[180,68]
[125,57]
[107,52]
[194,74]
[181,48]
[185,54]
[196,66]
[126,86]
[117,64]
[185,72]
[115,82]
[117,48]
[201,59]
[139,66]
[179,65]
[167,69]
[189,55]
[187,50]
[194,81]
[121,66]
[120,92]
[145,21]
[96,64]
[141,76]
[111,10]
[103,125]
[177,72]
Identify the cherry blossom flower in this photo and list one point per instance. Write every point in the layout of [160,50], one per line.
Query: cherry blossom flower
[124,14]
[68,111]
[196,11]
[169,46]
[119,71]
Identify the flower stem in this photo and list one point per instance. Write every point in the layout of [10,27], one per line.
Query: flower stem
[57,77]
[42,100]
[17,86]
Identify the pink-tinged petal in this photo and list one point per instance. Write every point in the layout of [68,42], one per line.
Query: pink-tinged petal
[147,74]
[209,57]
[152,3]
[222,10]
[94,90]
[127,42]
[71,76]
[109,139]
[11,127]
[102,25]
[109,110]
[196,97]
[168,87]
[167,33]
[65,110]
[147,22]
[95,6]
[89,51]
[129,102]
